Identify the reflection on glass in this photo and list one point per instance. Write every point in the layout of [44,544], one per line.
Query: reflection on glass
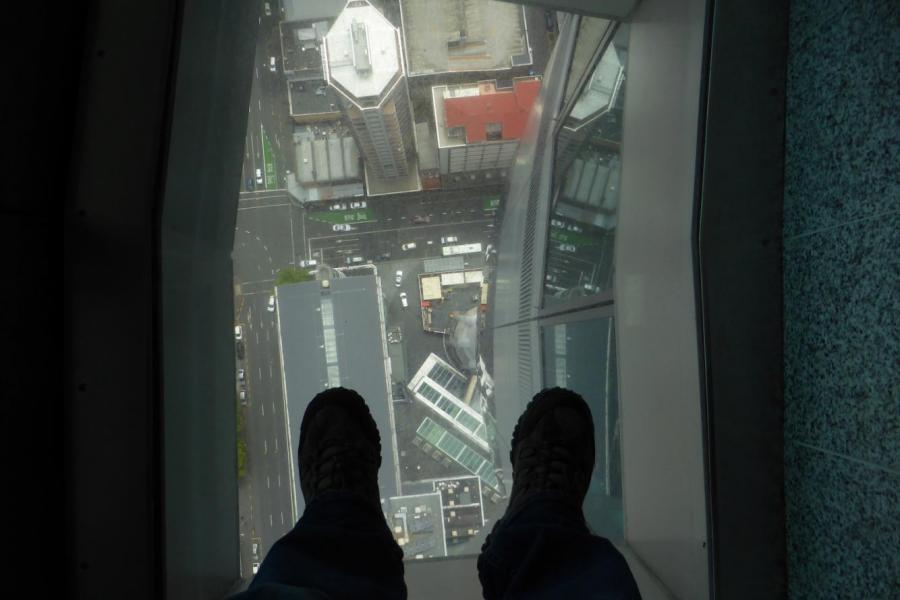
[587,167]
[581,356]
[590,32]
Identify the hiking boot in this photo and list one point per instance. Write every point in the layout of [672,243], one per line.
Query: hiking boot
[553,447]
[340,448]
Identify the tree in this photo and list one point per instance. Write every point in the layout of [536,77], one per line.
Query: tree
[292,275]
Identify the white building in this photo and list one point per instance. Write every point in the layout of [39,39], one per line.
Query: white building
[363,61]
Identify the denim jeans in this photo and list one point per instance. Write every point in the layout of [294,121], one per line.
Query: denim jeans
[342,548]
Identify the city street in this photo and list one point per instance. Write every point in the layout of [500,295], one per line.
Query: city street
[273,232]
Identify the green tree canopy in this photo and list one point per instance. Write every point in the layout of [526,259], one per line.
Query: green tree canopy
[292,275]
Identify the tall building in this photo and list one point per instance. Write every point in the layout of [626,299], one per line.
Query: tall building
[363,61]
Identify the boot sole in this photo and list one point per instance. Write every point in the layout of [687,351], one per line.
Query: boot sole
[353,403]
[543,402]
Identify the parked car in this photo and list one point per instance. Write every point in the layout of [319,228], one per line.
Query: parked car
[268,9]
[359,204]
[259,177]
[341,227]
[308,263]
[255,568]
[567,247]
[409,246]
[238,332]
[240,350]
[450,239]
[421,219]
[271,306]
[249,184]
[404,300]
[240,374]
[557,223]
[272,64]
[398,278]
[384,256]
[243,397]
[338,206]
[575,228]
[355,260]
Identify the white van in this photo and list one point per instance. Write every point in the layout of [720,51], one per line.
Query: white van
[409,246]
[272,64]
[259,176]
[238,332]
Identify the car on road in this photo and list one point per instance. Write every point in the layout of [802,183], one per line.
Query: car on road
[271,306]
[409,246]
[240,350]
[359,204]
[243,396]
[259,176]
[354,260]
[268,9]
[404,300]
[384,256]
[557,223]
[255,550]
[272,64]
[450,239]
[341,227]
[240,374]
[249,184]
[238,332]
[338,206]
[421,219]
[398,278]
[575,228]
[255,567]
[567,247]
[308,263]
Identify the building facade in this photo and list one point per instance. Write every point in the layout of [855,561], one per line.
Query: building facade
[479,125]
[363,61]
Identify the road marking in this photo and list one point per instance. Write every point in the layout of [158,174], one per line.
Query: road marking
[270,520]
[268,483]
[279,480]
[262,409]
[259,103]
[268,339]
[257,343]
[262,206]
[265,447]
[266,248]
[293,249]
[270,371]
[276,445]
[259,369]
[246,283]
[273,407]
[257,239]
[282,517]
[247,232]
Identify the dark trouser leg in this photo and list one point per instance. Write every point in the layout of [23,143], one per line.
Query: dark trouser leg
[544,550]
[340,546]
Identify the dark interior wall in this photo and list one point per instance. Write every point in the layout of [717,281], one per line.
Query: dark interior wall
[202,180]
[127,120]
[740,252]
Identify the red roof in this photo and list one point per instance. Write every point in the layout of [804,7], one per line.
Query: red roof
[508,107]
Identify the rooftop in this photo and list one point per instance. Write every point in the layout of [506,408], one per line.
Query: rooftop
[479,112]
[300,43]
[327,337]
[362,53]
[459,35]
[304,10]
